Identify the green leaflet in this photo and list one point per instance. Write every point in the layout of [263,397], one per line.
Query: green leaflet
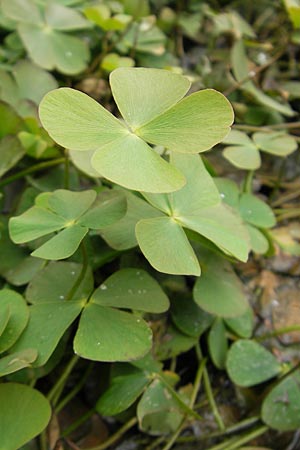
[151,103]
[69,213]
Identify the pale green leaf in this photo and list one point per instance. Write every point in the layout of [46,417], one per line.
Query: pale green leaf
[55,282]
[109,207]
[113,61]
[47,324]
[259,243]
[256,212]
[60,17]
[145,169]
[223,227]
[195,124]
[107,334]
[56,50]
[219,291]
[249,363]
[17,361]
[279,144]
[71,205]
[121,235]
[243,157]
[82,160]
[24,414]
[132,289]
[143,94]
[78,122]
[236,137]
[63,244]
[200,189]
[229,191]
[18,317]
[22,11]
[34,223]
[24,72]
[174,253]
[11,151]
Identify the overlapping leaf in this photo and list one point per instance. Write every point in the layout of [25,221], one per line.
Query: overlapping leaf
[249,363]
[25,412]
[48,25]
[15,314]
[202,213]
[256,214]
[71,214]
[243,152]
[150,101]
[107,334]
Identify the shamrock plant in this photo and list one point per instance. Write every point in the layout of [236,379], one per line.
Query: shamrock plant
[72,214]
[154,112]
[48,24]
[165,219]
[244,152]
[103,324]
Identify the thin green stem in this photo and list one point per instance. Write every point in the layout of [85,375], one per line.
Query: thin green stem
[115,437]
[81,276]
[254,72]
[277,332]
[247,188]
[75,390]
[53,395]
[240,426]
[209,393]
[236,442]
[32,169]
[192,401]
[67,170]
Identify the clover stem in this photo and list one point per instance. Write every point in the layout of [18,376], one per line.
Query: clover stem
[192,401]
[115,437]
[32,169]
[247,188]
[75,390]
[277,332]
[67,171]
[56,390]
[209,392]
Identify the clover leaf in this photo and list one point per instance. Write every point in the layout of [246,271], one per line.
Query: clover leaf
[257,215]
[244,151]
[203,213]
[152,105]
[47,24]
[18,90]
[105,332]
[71,214]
